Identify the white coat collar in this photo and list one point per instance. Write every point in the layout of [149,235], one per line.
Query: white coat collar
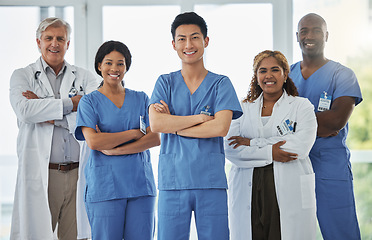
[283,100]
[67,81]
[281,107]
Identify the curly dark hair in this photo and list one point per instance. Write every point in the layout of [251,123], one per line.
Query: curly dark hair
[255,90]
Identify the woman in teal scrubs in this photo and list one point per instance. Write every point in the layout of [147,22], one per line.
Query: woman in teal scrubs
[120,189]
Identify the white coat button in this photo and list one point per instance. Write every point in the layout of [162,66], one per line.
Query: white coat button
[250,184]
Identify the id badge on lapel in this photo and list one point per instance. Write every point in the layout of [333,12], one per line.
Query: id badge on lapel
[286,127]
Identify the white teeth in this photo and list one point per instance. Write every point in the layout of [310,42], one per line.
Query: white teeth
[53,51]
[189,53]
[115,76]
[310,44]
[269,83]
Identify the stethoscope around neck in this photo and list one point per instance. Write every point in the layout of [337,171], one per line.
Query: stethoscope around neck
[73,91]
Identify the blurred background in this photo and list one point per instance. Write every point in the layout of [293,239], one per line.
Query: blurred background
[238,30]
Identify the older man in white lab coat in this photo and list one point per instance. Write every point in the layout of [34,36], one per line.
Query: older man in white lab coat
[45,96]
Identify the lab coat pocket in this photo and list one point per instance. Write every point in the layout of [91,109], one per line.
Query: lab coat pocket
[308,190]
[100,184]
[167,171]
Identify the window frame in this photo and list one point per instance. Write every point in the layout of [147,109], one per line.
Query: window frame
[88,26]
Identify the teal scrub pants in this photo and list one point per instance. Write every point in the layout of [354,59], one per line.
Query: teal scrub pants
[336,209]
[128,219]
[210,210]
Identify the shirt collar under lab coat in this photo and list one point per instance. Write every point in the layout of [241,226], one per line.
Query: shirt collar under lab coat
[283,99]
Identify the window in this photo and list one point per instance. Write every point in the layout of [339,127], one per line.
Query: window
[235,38]
[18,49]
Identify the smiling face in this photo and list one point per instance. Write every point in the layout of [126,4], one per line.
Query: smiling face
[190,43]
[271,77]
[113,68]
[312,35]
[53,45]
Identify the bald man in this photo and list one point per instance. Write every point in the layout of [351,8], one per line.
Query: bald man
[334,91]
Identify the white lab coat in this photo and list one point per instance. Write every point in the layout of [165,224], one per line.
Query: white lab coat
[31,217]
[294,181]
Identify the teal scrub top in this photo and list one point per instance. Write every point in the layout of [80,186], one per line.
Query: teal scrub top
[193,163]
[115,177]
[330,156]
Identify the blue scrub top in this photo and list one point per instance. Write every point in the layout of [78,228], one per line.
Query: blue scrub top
[330,156]
[115,177]
[193,163]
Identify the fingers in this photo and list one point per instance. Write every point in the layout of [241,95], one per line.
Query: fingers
[279,144]
[237,145]
[206,118]
[286,156]
[97,129]
[106,152]
[162,107]
[164,103]
[30,95]
[233,137]
[280,155]
[334,134]
[159,108]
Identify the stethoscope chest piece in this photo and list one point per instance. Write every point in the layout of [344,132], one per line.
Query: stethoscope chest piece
[73,92]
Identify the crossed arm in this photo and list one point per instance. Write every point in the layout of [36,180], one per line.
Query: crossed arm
[330,122]
[75,102]
[108,143]
[197,126]
[277,153]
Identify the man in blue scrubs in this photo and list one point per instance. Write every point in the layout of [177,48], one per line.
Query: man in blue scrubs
[334,91]
[193,108]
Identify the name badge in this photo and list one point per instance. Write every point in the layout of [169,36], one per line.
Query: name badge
[205,110]
[286,127]
[142,125]
[324,102]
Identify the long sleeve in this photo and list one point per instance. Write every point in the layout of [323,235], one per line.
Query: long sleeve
[246,156]
[300,141]
[32,110]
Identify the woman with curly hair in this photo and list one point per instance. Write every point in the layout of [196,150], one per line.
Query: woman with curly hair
[271,182]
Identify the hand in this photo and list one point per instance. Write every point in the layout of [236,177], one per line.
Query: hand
[30,95]
[280,155]
[97,129]
[334,134]
[51,122]
[138,134]
[239,141]
[75,102]
[162,107]
[205,118]
[111,152]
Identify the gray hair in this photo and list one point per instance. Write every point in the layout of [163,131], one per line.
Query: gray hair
[54,22]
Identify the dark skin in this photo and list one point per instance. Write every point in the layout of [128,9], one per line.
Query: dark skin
[312,35]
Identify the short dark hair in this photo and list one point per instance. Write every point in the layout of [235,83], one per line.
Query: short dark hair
[188,18]
[109,47]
